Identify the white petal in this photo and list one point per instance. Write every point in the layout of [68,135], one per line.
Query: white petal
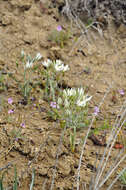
[66,68]
[38,56]
[81,91]
[81,103]
[59,66]
[66,103]
[68,112]
[59,101]
[28,64]
[22,53]
[88,98]
[58,61]
[47,63]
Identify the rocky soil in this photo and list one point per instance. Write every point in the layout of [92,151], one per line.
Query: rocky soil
[96,60]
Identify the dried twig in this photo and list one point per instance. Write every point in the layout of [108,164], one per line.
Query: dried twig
[82,152]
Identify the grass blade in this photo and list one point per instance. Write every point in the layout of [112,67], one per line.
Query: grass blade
[33,179]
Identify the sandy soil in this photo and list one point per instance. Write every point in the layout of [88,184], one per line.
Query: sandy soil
[95,62]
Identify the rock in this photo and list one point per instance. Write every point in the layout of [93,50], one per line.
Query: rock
[42,170]
[52,152]
[6,19]
[122,31]
[29,39]
[64,167]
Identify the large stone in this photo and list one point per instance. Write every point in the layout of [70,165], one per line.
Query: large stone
[64,167]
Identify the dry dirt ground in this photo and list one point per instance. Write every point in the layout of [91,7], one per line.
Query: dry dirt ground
[95,62]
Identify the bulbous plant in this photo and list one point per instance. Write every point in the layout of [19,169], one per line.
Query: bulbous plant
[28,67]
[71,110]
[53,73]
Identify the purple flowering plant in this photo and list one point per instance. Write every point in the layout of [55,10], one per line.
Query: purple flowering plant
[10,111]
[121,92]
[96,110]
[53,104]
[53,113]
[16,131]
[59,36]
[59,28]
[10,100]
[23,125]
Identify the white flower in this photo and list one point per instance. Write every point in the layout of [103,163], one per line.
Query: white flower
[82,102]
[58,61]
[72,92]
[65,93]
[22,53]
[29,64]
[68,112]
[69,92]
[47,63]
[66,103]
[88,98]
[80,91]
[59,101]
[38,56]
[66,68]
[59,66]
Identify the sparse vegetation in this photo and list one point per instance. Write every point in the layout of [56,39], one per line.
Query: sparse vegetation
[53,74]
[27,63]
[123,178]
[59,36]
[62,121]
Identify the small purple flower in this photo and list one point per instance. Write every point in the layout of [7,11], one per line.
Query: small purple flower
[59,28]
[23,125]
[34,105]
[10,100]
[10,111]
[96,110]
[121,92]
[53,104]
[32,99]
[16,139]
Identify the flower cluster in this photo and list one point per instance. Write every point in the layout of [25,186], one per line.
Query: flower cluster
[72,108]
[30,61]
[47,63]
[57,65]
[53,75]
[74,96]
[28,64]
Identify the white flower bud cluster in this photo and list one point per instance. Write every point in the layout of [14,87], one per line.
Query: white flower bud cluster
[57,65]
[74,96]
[29,60]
